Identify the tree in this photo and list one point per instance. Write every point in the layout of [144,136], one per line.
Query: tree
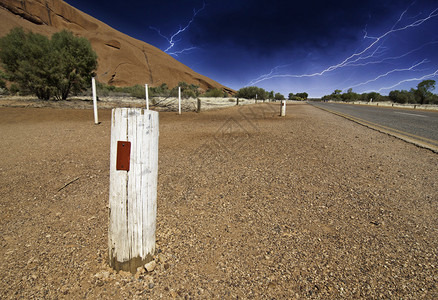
[349,95]
[290,96]
[46,67]
[374,96]
[271,95]
[76,63]
[278,96]
[302,96]
[250,92]
[402,96]
[26,61]
[336,95]
[424,90]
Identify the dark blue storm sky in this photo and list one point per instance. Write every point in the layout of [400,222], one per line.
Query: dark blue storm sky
[288,46]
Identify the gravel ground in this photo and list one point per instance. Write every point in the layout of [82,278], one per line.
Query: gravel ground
[250,205]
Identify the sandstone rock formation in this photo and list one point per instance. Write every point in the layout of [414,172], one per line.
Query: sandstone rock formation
[123,60]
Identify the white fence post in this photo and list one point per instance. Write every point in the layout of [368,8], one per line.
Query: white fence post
[179,100]
[93,84]
[283,108]
[133,187]
[147,96]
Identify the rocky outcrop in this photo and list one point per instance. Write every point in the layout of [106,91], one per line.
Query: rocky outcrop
[123,60]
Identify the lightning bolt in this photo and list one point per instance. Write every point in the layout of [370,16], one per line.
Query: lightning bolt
[357,56]
[390,58]
[408,80]
[182,51]
[387,73]
[261,77]
[172,40]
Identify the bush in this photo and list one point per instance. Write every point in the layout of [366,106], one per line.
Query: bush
[159,91]
[138,91]
[187,90]
[2,80]
[14,89]
[214,93]
[48,68]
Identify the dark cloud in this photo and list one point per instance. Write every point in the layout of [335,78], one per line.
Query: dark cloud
[265,26]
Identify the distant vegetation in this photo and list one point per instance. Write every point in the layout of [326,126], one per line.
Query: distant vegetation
[253,92]
[298,96]
[421,95]
[46,67]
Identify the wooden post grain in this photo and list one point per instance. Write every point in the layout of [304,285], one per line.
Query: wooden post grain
[133,193]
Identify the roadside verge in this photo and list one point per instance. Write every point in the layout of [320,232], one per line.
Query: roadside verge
[405,136]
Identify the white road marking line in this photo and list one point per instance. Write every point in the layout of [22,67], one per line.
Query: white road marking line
[397,112]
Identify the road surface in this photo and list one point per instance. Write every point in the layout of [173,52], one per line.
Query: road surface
[416,126]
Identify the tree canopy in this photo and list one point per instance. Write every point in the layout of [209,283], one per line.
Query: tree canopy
[278,96]
[250,92]
[47,67]
[298,96]
[424,90]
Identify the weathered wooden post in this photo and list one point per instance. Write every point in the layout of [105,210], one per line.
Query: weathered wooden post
[147,96]
[237,101]
[179,100]
[198,109]
[133,188]
[93,85]
[283,108]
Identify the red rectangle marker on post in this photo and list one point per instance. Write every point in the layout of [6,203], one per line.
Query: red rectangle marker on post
[123,155]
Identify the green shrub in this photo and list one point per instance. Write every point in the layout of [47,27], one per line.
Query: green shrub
[46,67]
[138,91]
[14,89]
[3,77]
[214,93]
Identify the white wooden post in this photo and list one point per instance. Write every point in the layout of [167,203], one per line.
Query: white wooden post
[283,108]
[133,188]
[179,100]
[147,96]
[93,84]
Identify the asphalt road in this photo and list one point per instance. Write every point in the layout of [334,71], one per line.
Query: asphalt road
[416,126]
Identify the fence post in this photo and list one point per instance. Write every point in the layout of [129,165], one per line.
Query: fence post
[283,108]
[179,100]
[133,188]
[93,84]
[237,101]
[198,109]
